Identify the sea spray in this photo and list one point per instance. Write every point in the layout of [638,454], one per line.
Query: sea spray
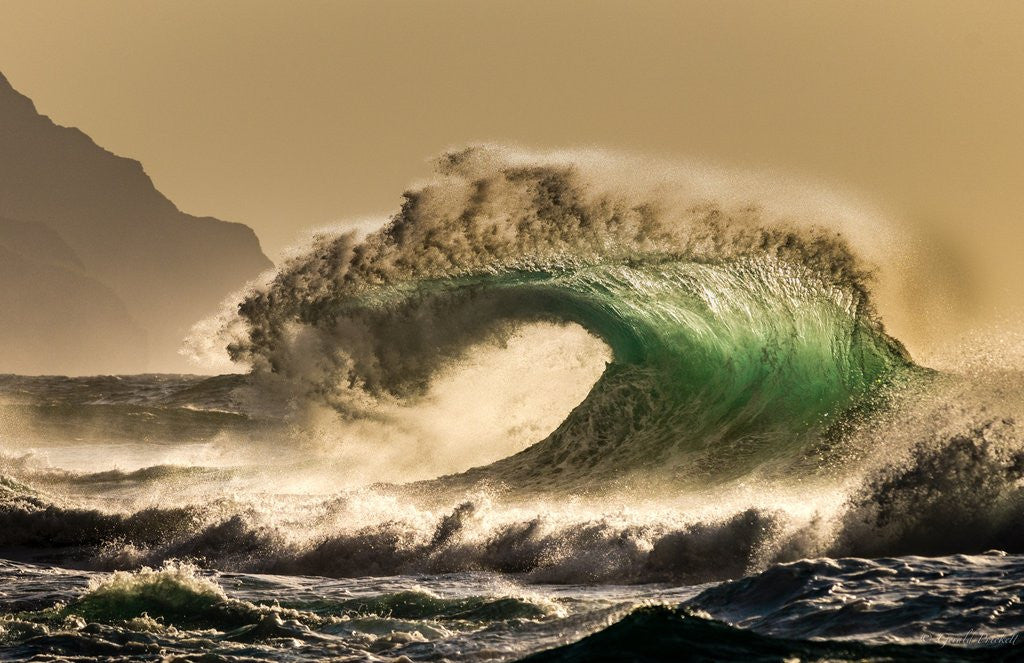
[734,330]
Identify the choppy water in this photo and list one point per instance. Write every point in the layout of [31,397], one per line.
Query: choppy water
[952,608]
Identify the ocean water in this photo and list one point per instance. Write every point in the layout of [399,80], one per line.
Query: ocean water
[887,609]
[544,413]
[154,560]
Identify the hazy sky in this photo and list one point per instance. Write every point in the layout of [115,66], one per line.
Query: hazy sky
[285,115]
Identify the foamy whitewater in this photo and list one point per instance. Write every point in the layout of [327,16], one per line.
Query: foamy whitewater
[569,406]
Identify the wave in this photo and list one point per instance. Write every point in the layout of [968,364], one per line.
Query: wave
[906,598]
[660,633]
[734,330]
[232,536]
[963,495]
[178,594]
[177,609]
[147,613]
[156,390]
[815,610]
[960,495]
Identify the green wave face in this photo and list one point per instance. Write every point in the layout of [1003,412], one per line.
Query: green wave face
[726,364]
[718,368]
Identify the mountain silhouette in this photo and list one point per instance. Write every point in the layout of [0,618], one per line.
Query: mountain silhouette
[99,271]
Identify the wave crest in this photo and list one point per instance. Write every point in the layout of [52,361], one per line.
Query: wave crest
[731,326]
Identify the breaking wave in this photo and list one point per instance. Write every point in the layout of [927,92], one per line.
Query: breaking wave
[735,331]
[961,494]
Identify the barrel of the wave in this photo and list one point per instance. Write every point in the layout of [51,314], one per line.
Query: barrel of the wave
[719,369]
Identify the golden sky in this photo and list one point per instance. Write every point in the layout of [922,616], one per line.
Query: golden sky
[286,115]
